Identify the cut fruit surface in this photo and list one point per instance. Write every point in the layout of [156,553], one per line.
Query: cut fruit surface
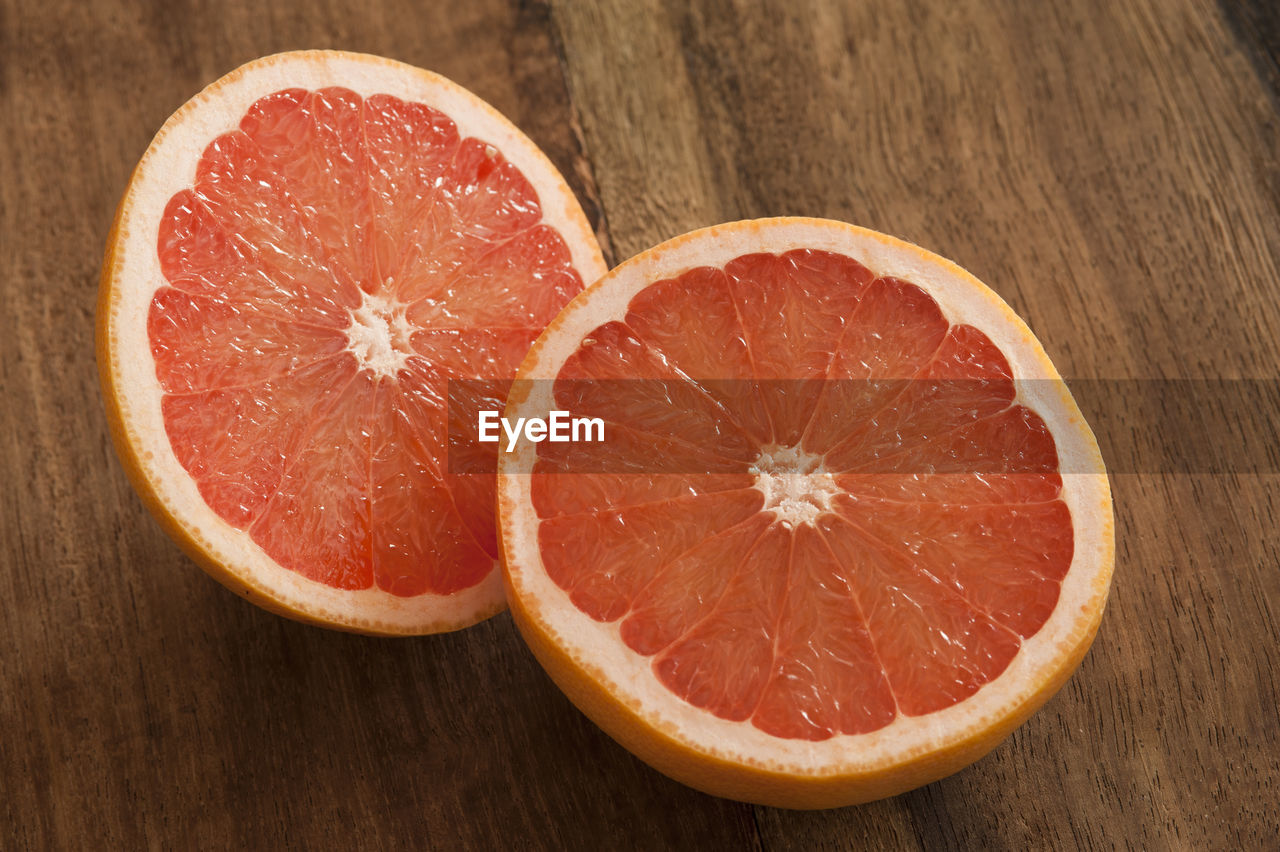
[847,527]
[308,253]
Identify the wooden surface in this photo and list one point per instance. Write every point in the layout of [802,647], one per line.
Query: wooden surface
[1111,169]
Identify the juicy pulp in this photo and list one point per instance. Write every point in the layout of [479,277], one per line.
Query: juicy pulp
[833,513]
[338,260]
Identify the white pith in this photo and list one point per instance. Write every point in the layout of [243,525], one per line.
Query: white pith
[795,487]
[597,648]
[169,166]
[378,335]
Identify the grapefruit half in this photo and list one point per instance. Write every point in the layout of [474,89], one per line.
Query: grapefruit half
[306,255]
[846,528]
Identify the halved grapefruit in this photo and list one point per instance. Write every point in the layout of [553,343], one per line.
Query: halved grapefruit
[308,252]
[847,527]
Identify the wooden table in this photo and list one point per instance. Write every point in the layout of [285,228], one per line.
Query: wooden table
[1111,169]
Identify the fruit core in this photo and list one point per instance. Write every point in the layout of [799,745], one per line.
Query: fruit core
[795,486]
[379,335]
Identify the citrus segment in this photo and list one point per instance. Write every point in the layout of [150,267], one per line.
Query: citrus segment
[569,493]
[237,442]
[606,564]
[203,343]
[316,520]
[201,254]
[693,325]
[891,337]
[791,307]
[721,661]
[318,245]
[826,661]
[1006,559]
[618,378]
[685,589]
[971,489]
[903,512]
[934,647]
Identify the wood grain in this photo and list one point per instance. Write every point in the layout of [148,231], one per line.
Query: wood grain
[1112,170]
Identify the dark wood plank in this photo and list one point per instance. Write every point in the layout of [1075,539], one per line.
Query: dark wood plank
[1256,24]
[1111,170]
[141,704]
